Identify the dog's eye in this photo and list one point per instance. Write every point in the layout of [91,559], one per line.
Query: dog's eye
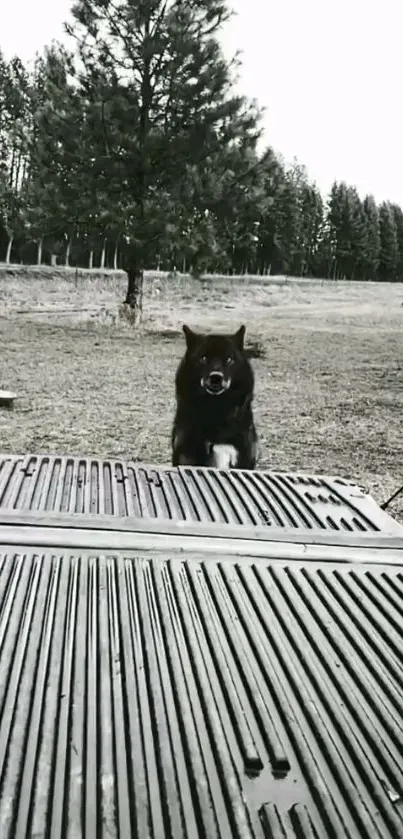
[229,360]
[203,359]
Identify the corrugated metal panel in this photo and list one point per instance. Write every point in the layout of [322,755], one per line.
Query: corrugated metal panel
[294,502]
[171,698]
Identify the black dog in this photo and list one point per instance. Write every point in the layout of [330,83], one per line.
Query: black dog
[213,423]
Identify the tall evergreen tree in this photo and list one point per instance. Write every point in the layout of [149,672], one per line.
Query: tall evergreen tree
[289,234]
[357,223]
[372,239]
[268,247]
[165,68]
[335,230]
[14,131]
[389,250]
[398,217]
[347,232]
[312,228]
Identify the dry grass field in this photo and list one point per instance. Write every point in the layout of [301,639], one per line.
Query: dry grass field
[329,388]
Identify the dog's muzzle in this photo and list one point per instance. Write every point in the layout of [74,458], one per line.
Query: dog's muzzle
[215,383]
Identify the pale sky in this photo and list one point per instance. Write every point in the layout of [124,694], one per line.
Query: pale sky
[329,73]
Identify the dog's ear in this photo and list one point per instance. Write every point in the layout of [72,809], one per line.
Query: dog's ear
[190,337]
[239,336]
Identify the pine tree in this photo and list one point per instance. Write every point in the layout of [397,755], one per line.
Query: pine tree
[288,226]
[60,179]
[14,128]
[346,232]
[334,232]
[241,208]
[372,239]
[166,113]
[272,179]
[312,224]
[398,217]
[4,113]
[356,220]
[389,250]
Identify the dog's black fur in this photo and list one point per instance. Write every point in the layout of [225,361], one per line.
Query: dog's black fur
[214,393]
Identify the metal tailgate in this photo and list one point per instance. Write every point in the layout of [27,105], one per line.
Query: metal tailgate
[197,678]
[158,696]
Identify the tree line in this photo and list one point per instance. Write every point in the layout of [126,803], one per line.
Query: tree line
[131,150]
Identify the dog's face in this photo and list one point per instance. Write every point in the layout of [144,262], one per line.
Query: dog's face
[215,359]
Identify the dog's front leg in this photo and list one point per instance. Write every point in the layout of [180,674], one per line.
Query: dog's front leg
[183,459]
[188,451]
[223,456]
[247,455]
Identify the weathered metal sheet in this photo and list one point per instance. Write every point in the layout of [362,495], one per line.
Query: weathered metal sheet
[161,697]
[250,499]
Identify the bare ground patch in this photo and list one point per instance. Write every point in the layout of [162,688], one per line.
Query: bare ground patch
[329,373]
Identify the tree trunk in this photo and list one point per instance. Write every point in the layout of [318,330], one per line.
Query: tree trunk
[9,248]
[12,168]
[67,257]
[134,296]
[115,257]
[39,253]
[335,270]
[91,259]
[53,260]
[103,254]
[18,170]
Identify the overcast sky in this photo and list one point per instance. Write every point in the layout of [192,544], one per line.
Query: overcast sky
[329,73]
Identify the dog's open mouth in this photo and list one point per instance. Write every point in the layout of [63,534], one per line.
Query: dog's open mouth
[215,387]
[214,391]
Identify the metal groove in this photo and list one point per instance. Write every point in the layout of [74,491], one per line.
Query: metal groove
[353,679]
[341,699]
[378,656]
[312,709]
[82,486]
[295,822]
[198,700]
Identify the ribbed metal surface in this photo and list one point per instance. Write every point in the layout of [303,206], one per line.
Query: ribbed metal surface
[167,698]
[116,488]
